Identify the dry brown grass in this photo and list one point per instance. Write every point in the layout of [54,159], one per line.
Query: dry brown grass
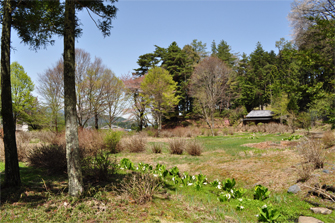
[177,146]
[140,187]
[133,144]
[268,128]
[194,148]
[313,152]
[305,171]
[328,139]
[157,148]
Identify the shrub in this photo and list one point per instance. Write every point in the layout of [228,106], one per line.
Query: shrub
[194,148]
[136,144]
[305,171]
[91,141]
[328,139]
[177,146]
[313,152]
[216,132]
[111,139]
[166,134]
[156,148]
[49,157]
[99,166]
[141,187]
[179,131]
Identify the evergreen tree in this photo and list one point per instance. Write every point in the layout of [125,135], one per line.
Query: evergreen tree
[34,21]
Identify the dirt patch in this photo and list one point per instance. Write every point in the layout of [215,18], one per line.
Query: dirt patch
[272,145]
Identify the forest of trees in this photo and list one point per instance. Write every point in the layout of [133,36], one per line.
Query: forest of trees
[170,84]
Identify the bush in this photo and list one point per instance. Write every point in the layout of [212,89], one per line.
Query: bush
[141,187]
[194,148]
[328,139]
[216,132]
[166,134]
[111,139]
[156,148]
[136,144]
[313,152]
[99,166]
[177,146]
[49,157]
[305,171]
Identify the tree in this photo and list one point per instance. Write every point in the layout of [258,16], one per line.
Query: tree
[12,173]
[96,84]
[116,98]
[159,89]
[222,51]
[106,13]
[83,61]
[35,22]
[303,10]
[208,86]
[51,88]
[138,104]
[22,87]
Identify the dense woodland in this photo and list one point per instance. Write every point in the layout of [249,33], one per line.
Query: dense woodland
[170,84]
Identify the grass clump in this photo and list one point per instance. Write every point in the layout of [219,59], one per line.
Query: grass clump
[328,139]
[194,148]
[140,187]
[157,148]
[177,146]
[134,144]
[313,152]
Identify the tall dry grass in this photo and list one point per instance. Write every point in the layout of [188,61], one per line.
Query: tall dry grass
[312,151]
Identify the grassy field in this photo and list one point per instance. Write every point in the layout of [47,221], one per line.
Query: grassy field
[43,198]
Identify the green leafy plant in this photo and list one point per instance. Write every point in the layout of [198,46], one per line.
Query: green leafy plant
[292,137]
[268,214]
[215,183]
[238,193]
[161,171]
[223,197]
[174,171]
[126,164]
[228,184]
[112,138]
[144,167]
[200,180]
[261,193]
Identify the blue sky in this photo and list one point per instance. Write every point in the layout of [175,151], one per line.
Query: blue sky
[142,24]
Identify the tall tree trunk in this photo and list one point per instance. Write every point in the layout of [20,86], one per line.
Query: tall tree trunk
[71,134]
[12,172]
[96,120]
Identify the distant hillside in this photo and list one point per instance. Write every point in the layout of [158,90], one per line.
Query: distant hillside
[121,122]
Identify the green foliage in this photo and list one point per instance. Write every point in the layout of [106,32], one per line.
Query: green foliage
[268,214]
[228,184]
[261,192]
[293,137]
[158,88]
[111,139]
[174,171]
[125,163]
[22,88]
